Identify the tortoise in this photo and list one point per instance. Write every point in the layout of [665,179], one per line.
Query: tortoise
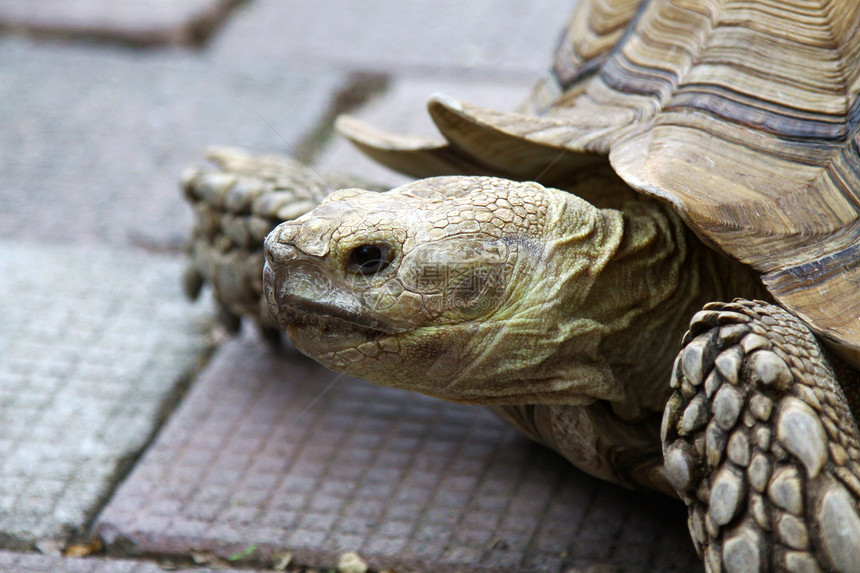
[547,262]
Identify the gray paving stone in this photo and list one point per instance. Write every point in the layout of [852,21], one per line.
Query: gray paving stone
[402,109]
[94,345]
[92,141]
[272,450]
[133,21]
[487,36]
[11,562]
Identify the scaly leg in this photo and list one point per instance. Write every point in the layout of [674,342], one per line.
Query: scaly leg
[761,445]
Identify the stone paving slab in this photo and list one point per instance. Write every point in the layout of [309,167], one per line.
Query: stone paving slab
[11,562]
[95,345]
[498,37]
[272,450]
[403,109]
[92,141]
[134,21]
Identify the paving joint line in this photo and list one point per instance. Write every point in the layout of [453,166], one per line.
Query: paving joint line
[168,406]
[196,34]
[359,89]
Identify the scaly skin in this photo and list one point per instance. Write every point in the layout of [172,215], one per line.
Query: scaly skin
[761,445]
[236,205]
[562,316]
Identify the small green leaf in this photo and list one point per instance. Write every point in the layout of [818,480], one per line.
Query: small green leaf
[245,553]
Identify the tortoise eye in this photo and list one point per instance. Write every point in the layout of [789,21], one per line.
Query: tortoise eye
[369,259]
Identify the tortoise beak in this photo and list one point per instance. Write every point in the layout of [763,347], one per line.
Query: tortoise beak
[301,292]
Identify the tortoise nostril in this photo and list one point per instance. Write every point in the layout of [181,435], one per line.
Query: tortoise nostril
[286,233]
[277,253]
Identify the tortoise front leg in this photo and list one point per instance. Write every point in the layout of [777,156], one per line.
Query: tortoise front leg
[761,445]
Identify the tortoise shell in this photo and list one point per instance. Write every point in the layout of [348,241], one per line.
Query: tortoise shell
[744,115]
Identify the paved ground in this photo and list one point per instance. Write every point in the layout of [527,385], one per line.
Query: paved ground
[102,134]
[126,21]
[267,453]
[96,348]
[272,450]
[14,562]
[482,38]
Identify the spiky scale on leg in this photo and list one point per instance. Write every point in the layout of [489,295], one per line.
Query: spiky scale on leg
[778,484]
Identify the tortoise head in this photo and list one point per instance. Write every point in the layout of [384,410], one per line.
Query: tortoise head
[458,287]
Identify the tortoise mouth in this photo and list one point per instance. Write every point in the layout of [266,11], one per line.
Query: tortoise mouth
[318,342]
[318,329]
[299,311]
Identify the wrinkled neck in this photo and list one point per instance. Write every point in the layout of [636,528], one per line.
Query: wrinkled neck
[660,275]
[598,306]
[616,306]
[539,348]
